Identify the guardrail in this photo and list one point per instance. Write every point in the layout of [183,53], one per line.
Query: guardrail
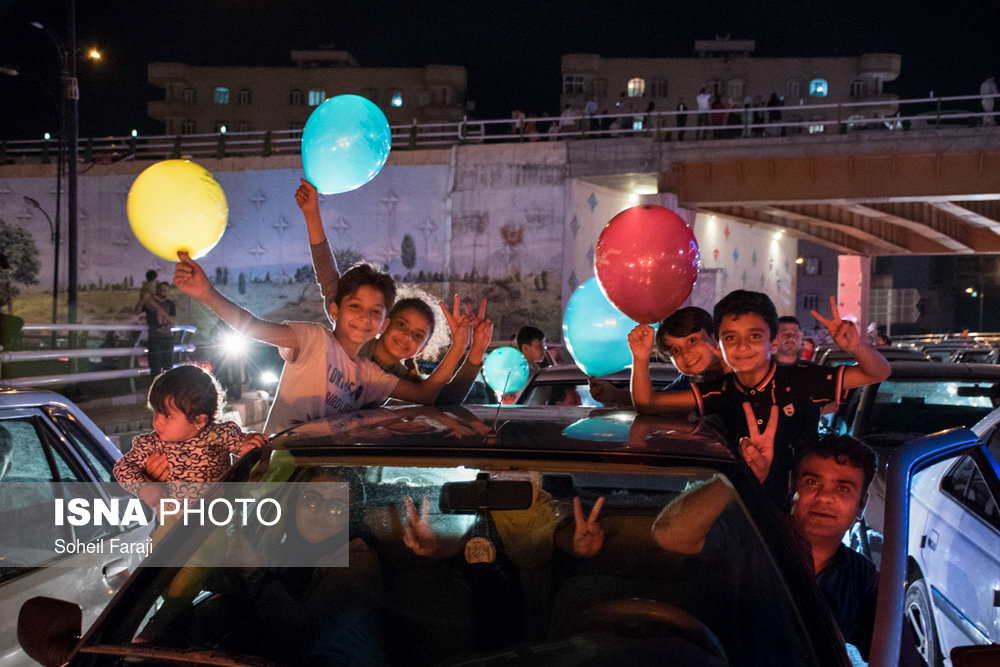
[61,347]
[885,114]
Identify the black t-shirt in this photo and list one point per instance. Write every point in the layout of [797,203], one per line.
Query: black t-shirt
[850,585]
[800,390]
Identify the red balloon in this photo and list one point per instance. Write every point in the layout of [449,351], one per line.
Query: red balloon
[646,262]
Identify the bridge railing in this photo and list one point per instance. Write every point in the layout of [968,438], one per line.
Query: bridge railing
[886,114]
[51,355]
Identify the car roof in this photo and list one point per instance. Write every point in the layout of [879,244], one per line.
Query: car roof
[513,430]
[21,398]
[916,370]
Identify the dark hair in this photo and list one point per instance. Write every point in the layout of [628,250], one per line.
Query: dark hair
[740,302]
[151,274]
[528,335]
[194,391]
[684,322]
[162,282]
[845,450]
[419,305]
[364,274]
[789,319]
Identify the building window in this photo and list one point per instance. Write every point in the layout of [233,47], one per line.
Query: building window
[187,127]
[189,96]
[858,88]
[658,88]
[573,84]
[810,301]
[818,88]
[636,87]
[221,95]
[735,89]
[242,126]
[424,98]
[316,97]
[715,86]
[793,89]
[396,99]
[244,97]
[295,98]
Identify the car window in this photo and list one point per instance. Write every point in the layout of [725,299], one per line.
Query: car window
[492,584]
[83,442]
[966,484]
[27,535]
[564,393]
[927,406]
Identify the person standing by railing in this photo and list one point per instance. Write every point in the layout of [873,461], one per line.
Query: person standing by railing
[160,313]
[987,89]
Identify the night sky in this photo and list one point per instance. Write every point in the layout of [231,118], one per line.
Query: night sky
[511,49]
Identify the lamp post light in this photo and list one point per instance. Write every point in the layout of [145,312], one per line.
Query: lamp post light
[977,294]
[71,133]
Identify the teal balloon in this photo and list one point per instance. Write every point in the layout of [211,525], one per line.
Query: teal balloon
[595,332]
[345,143]
[506,370]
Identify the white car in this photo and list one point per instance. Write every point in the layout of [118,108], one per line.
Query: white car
[953,590]
[47,443]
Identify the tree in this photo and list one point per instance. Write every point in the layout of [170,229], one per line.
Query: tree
[22,256]
[242,284]
[408,252]
[347,257]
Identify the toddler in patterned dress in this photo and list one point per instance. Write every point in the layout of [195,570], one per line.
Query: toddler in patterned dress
[187,445]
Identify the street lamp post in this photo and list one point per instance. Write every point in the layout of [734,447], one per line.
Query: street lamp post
[54,231]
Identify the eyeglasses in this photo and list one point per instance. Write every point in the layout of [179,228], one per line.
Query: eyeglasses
[312,500]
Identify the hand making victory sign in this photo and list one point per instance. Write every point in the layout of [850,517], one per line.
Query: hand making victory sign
[843,332]
[758,449]
[871,367]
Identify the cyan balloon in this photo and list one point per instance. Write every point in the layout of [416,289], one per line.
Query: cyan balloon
[345,143]
[506,370]
[596,333]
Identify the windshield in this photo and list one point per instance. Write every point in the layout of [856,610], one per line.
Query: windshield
[470,563]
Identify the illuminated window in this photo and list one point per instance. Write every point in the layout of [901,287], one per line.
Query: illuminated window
[636,87]
[818,88]
[295,98]
[573,84]
[244,97]
[397,99]
[793,89]
[659,88]
[221,95]
[316,97]
[735,88]
[187,127]
[189,96]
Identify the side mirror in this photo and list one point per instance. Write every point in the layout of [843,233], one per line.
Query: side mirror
[49,629]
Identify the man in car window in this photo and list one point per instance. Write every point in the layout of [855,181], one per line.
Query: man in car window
[829,492]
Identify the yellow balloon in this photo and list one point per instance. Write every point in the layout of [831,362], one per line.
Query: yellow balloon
[177,205]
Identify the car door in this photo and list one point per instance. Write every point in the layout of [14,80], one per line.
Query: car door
[959,548]
[38,460]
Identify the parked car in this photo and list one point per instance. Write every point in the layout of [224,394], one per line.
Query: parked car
[918,398]
[954,549]
[46,439]
[498,583]
[565,382]
[977,355]
[945,350]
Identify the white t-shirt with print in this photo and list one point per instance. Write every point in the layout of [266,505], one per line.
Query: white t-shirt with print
[321,380]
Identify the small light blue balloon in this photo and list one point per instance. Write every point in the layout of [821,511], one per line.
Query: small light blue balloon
[345,143]
[596,333]
[506,370]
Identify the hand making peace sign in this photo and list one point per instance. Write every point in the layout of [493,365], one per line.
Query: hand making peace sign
[843,332]
[758,449]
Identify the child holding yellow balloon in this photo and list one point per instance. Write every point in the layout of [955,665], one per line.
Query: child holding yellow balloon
[323,373]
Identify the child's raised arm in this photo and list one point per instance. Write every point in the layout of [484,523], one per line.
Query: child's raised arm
[190,278]
[426,392]
[646,401]
[324,263]
[872,367]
